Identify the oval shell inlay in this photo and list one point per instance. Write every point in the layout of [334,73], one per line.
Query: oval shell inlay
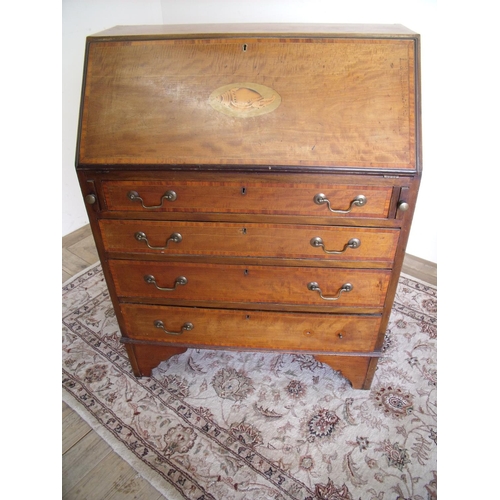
[244,100]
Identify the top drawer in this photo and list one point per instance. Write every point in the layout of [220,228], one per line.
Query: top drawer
[336,200]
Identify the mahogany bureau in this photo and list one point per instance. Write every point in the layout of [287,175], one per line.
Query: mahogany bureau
[252,187]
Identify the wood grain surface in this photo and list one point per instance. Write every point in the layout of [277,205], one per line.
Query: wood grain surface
[226,284]
[344,102]
[256,329]
[276,241]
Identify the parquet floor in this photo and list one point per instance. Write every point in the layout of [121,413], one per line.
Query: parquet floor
[91,470]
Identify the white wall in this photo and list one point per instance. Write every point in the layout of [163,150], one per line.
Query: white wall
[81,18]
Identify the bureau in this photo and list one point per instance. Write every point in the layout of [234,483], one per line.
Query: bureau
[252,187]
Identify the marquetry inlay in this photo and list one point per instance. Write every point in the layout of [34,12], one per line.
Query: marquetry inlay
[244,100]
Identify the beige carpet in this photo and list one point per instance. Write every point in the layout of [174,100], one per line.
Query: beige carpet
[229,425]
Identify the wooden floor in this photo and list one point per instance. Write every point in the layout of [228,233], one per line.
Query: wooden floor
[91,470]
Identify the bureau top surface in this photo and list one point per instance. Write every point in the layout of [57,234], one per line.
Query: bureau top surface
[287,96]
[252,29]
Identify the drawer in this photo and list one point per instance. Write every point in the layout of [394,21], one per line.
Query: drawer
[250,240]
[192,282]
[252,197]
[251,329]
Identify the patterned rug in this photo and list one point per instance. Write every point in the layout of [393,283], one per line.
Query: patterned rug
[233,425]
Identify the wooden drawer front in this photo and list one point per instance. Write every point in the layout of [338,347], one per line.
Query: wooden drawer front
[258,284]
[249,240]
[251,329]
[247,197]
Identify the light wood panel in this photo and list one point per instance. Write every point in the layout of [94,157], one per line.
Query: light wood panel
[420,268]
[90,468]
[78,252]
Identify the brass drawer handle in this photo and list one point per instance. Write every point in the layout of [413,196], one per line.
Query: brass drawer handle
[150,280]
[314,287]
[359,201]
[174,237]
[169,196]
[186,326]
[318,242]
